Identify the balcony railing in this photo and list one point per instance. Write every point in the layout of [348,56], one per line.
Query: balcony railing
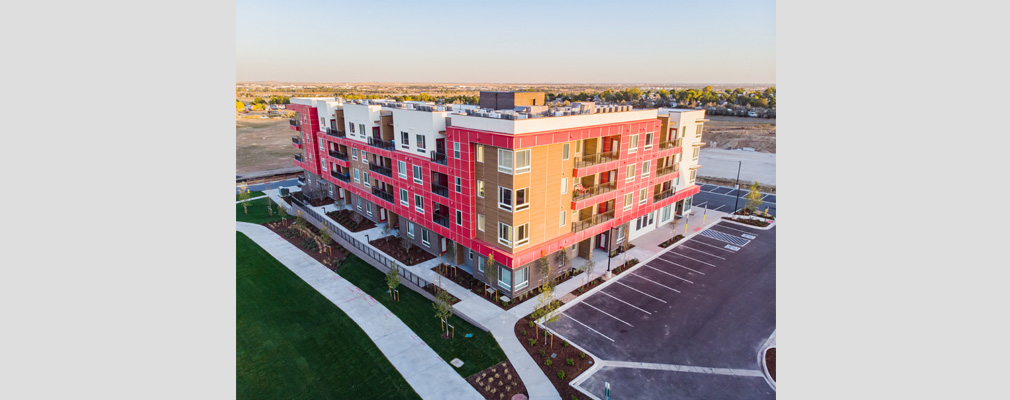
[440,158]
[440,190]
[301,179]
[338,155]
[380,169]
[335,133]
[669,144]
[594,191]
[293,122]
[587,223]
[667,169]
[382,144]
[598,158]
[382,194]
[663,195]
[346,177]
[441,219]
[298,157]
[296,140]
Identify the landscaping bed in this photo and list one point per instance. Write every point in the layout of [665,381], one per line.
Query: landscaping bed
[476,286]
[559,372]
[332,255]
[620,249]
[770,362]
[754,222]
[351,220]
[314,202]
[673,240]
[499,382]
[392,246]
[615,271]
[749,212]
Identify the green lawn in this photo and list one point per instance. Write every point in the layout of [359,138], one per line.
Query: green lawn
[417,312]
[293,343]
[251,195]
[257,211]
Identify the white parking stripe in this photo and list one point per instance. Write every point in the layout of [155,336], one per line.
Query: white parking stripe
[650,280]
[695,240]
[695,259]
[587,327]
[717,208]
[639,291]
[726,227]
[675,276]
[702,252]
[671,262]
[699,205]
[622,301]
[607,314]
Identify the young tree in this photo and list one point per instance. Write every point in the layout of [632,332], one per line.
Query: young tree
[754,198]
[545,267]
[270,208]
[243,196]
[443,308]
[625,246]
[588,268]
[282,212]
[325,236]
[392,279]
[491,273]
[545,305]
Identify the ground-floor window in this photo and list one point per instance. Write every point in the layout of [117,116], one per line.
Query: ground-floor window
[505,277]
[666,213]
[424,237]
[523,277]
[687,204]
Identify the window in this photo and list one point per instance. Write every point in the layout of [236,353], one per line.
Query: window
[417,174]
[410,229]
[480,189]
[505,161]
[368,183]
[401,169]
[329,186]
[322,166]
[620,234]
[522,161]
[504,277]
[420,144]
[564,151]
[322,147]
[504,234]
[694,172]
[459,185]
[469,253]
[359,203]
[522,234]
[455,150]
[634,144]
[418,203]
[642,194]
[697,152]
[628,200]
[522,199]
[697,131]
[522,278]
[645,168]
[364,157]
[480,153]
[564,185]
[404,139]
[459,218]
[578,146]
[424,237]
[480,264]
[480,222]
[361,131]
[648,141]
[563,218]
[352,127]
[666,213]
[368,207]
[357,176]
[631,173]
[354,154]
[404,197]
[505,199]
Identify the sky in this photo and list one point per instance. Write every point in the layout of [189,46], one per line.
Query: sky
[674,41]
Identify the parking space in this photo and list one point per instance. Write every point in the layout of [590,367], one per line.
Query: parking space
[709,302]
[721,198]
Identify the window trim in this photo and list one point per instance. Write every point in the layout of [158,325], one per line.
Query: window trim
[633,144]
[365,179]
[459,218]
[646,167]
[629,202]
[401,167]
[644,194]
[511,166]
[480,222]
[648,140]
[515,168]
[418,174]
[565,152]
[480,153]
[425,238]
[631,173]
[456,151]
[502,272]
[418,205]
[506,241]
[515,199]
[564,185]
[480,188]
[521,242]
[410,229]
[458,183]
[509,205]
[357,176]
[404,197]
[564,218]
[526,280]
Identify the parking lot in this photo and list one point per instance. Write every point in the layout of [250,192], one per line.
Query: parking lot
[722,198]
[687,324]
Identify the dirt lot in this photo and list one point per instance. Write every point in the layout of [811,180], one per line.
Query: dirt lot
[262,144]
[736,132]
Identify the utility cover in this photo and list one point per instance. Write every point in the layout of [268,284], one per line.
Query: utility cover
[456,362]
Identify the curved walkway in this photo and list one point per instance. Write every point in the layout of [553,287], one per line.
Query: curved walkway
[426,372]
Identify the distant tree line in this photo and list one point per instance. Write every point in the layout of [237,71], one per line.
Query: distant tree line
[692,98]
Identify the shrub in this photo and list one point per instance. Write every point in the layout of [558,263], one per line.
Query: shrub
[531,324]
[570,361]
[582,355]
[561,374]
[542,353]
[533,342]
[523,332]
[574,397]
[548,362]
[564,343]
[310,245]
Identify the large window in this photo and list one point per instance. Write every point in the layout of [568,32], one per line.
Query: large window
[505,234]
[505,199]
[505,161]
[480,153]
[522,199]
[404,197]
[401,169]
[522,161]
[417,174]
[634,144]
[505,277]
[522,235]
[523,277]
[418,203]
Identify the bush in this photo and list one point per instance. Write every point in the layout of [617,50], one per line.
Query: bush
[523,332]
[531,324]
[561,374]
[564,343]
[310,245]
[542,353]
[574,397]
[570,361]
[533,342]
[582,355]
[548,362]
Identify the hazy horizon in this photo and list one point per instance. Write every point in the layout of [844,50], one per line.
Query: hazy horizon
[520,42]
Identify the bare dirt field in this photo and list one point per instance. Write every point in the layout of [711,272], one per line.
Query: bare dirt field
[262,144]
[736,132]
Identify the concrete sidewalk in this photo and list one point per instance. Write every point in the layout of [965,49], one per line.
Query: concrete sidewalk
[425,371]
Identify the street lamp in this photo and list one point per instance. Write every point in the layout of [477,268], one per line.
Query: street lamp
[737,203]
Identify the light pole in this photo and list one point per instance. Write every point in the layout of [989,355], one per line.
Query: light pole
[735,204]
[610,241]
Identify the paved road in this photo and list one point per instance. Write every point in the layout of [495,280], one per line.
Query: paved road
[688,324]
[723,198]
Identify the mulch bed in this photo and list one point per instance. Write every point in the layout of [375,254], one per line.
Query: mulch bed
[668,242]
[332,257]
[499,382]
[619,250]
[591,284]
[753,222]
[314,202]
[748,212]
[770,362]
[476,286]
[346,219]
[562,353]
[391,246]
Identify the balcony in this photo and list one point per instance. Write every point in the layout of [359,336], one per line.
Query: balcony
[301,179]
[382,195]
[598,158]
[298,157]
[380,169]
[595,190]
[669,144]
[338,155]
[346,177]
[587,223]
[441,219]
[293,122]
[669,169]
[440,190]
[440,158]
[663,195]
[336,133]
[296,140]
[382,144]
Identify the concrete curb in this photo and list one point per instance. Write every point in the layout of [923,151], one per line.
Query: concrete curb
[769,343]
[772,225]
